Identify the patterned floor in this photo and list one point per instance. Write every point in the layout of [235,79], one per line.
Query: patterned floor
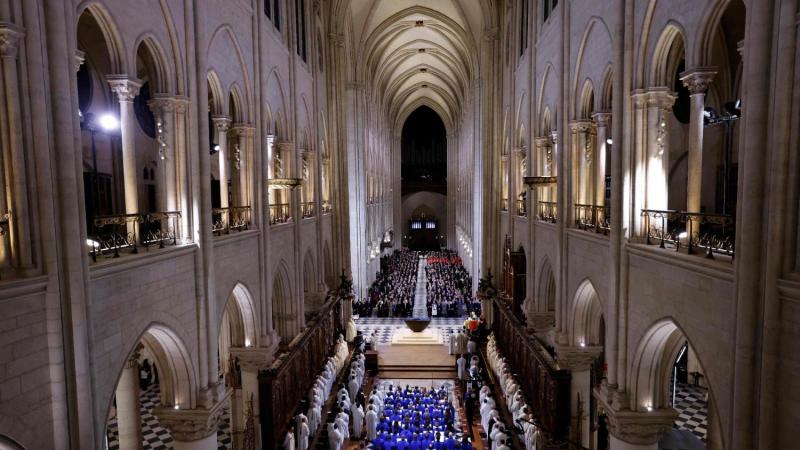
[154,436]
[386,326]
[692,407]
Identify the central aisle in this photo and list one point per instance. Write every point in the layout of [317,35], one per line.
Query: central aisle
[421,293]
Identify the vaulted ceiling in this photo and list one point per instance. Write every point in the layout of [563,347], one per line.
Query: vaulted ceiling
[419,52]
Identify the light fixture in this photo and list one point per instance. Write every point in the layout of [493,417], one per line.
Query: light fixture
[610,141]
[108,122]
[177,407]
[648,407]
[247,342]
[583,344]
[682,235]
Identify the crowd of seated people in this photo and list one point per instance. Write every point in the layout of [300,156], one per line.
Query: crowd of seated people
[392,293]
[449,286]
[414,418]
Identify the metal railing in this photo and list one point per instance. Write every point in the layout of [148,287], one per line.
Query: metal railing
[236,218]
[307,209]
[712,233]
[279,213]
[117,234]
[595,218]
[548,212]
[522,208]
[327,208]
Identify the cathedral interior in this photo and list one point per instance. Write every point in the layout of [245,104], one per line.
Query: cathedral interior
[399,224]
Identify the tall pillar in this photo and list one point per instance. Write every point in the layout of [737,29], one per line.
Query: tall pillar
[582,162]
[163,108]
[242,163]
[579,361]
[251,360]
[127,89]
[697,82]
[13,155]
[659,106]
[192,429]
[222,124]
[129,419]
[601,120]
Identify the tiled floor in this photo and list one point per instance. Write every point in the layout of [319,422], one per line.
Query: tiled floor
[692,410]
[154,436]
[386,326]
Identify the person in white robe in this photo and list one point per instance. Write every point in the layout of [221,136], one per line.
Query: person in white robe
[461,363]
[372,424]
[351,330]
[303,432]
[461,342]
[472,346]
[353,386]
[358,421]
[451,344]
[335,437]
[288,440]
[342,423]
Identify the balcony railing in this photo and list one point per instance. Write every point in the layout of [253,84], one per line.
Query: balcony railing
[593,218]
[504,205]
[548,212]
[522,208]
[279,213]
[234,218]
[307,209]
[712,233]
[125,233]
[327,208]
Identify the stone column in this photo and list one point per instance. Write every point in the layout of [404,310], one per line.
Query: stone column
[192,429]
[659,106]
[129,419]
[634,430]
[127,89]
[163,108]
[639,163]
[582,162]
[251,360]
[697,82]
[601,120]
[13,154]
[222,124]
[579,361]
[243,163]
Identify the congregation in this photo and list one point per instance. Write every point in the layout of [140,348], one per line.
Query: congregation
[392,293]
[448,286]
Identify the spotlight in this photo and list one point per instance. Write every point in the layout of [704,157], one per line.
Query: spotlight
[215,149]
[108,122]
[610,141]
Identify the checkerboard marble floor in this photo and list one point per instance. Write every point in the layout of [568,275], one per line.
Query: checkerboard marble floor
[692,407]
[386,326]
[156,437]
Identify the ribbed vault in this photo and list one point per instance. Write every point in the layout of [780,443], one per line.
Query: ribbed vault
[419,52]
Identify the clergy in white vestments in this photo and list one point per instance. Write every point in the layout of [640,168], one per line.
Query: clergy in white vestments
[461,363]
[288,440]
[303,432]
[335,438]
[372,423]
[353,386]
[351,330]
[358,421]
[472,346]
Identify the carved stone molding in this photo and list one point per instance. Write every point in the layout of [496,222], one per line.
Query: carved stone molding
[10,35]
[660,97]
[221,123]
[337,39]
[244,129]
[162,103]
[188,425]
[698,80]
[581,126]
[284,146]
[253,359]
[641,428]
[181,104]
[133,360]
[602,119]
[577,359]
[80,58]
[125,87]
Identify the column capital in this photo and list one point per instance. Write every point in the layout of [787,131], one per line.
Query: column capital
[244,129]
[554,137]
[640,428]
[133,360]
[698,80]
[520,151]
[162,103]
[80,58]
[581,126]
[577,359]
[125,87]
[284,146]
[10,35]
[221,122]
[543,141]
[188,425]
[253,359]
[660,97]
[602,118]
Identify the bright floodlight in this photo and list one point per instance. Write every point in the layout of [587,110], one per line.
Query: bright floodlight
[108,122]
[609,141]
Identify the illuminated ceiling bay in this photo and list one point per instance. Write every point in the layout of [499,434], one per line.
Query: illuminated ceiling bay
[419,52]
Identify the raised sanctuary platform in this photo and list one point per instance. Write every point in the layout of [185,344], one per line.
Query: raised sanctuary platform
[430,336]
[415,362]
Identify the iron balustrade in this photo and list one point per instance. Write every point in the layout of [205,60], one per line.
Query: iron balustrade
[236,218]
[522,208]
[593,217]
[307,209]
[712,233]
[127,232]
[279,213]
[326,207]
[548,212]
